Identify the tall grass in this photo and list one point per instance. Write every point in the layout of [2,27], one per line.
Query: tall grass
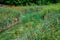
[7,17]
[41,25]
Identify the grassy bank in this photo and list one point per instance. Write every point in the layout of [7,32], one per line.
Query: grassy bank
[37,23]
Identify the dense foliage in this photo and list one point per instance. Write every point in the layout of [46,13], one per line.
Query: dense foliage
[27,2]
[47,28]
[7,17]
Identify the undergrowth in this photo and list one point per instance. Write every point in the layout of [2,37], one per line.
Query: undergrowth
[43,24]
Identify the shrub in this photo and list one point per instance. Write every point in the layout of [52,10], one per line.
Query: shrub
[29,2]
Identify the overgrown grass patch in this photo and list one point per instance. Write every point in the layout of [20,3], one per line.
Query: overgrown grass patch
[7,17]
[41,25]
